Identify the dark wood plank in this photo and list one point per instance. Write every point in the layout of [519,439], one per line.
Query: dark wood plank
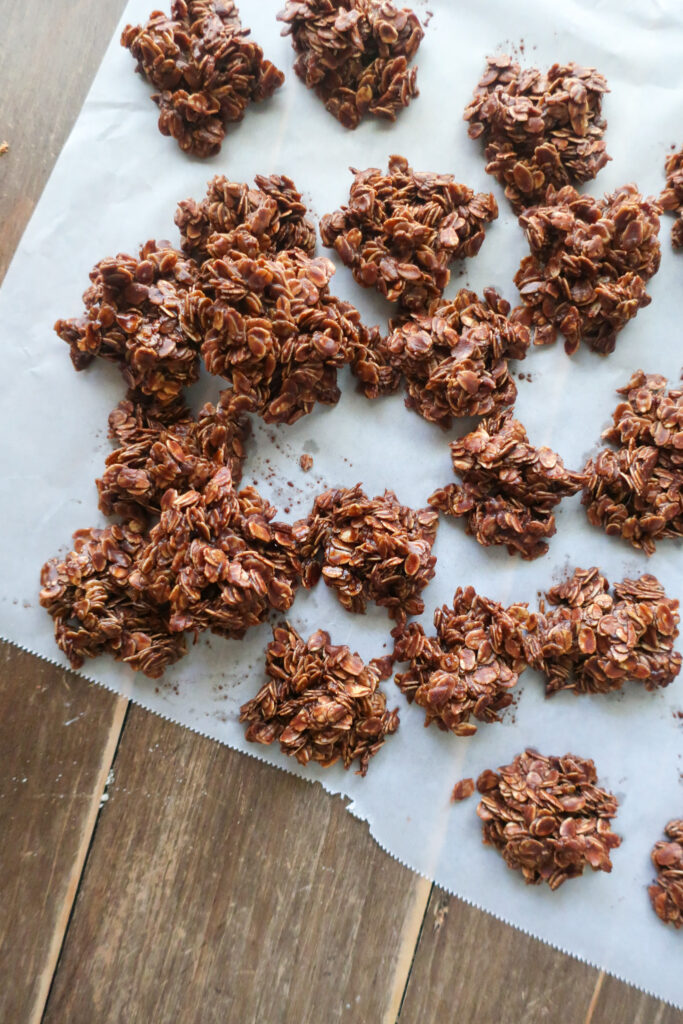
[220,889]
[618,1002]
[58,735]
[470,967]
[50,53]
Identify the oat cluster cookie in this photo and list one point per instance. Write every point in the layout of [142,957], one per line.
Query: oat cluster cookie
[589,266]
[205,68]
[369,549]
[538,128]
[355,54]
[666,893]
[454,359]
[402,229]
[671,199]
[136,315]
[469,669]
[509,488]
[634,489]
[321,702]
[592,641]
[548,817]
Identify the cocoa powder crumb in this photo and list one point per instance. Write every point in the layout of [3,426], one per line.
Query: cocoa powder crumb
[666,893]
[321,702]
[402,229]
[355,54]
[548,817]
[206,69]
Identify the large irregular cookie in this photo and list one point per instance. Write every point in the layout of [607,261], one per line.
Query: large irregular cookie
[94,610]
[666,893]
[454,359]
[183,454]
[136,315]
[671,198]
[206,69]
[272,212]
[589,264]
[217,560]
[402,229]
[369,549]
[269,326]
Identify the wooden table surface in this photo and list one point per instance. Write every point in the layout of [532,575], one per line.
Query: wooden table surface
[149,875]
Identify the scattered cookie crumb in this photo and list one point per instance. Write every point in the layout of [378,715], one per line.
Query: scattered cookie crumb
[306,462]
[462,790]
[4,148]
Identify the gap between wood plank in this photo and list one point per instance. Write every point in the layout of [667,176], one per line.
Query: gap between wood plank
[44,982]
[408,948]
[594,998]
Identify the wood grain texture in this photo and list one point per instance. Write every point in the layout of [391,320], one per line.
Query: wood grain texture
[51,50]
[471,968]
[219,889]
[619,1002]
[57,736]
[57,732]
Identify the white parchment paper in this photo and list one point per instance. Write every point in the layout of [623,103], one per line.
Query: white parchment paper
[117,183]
